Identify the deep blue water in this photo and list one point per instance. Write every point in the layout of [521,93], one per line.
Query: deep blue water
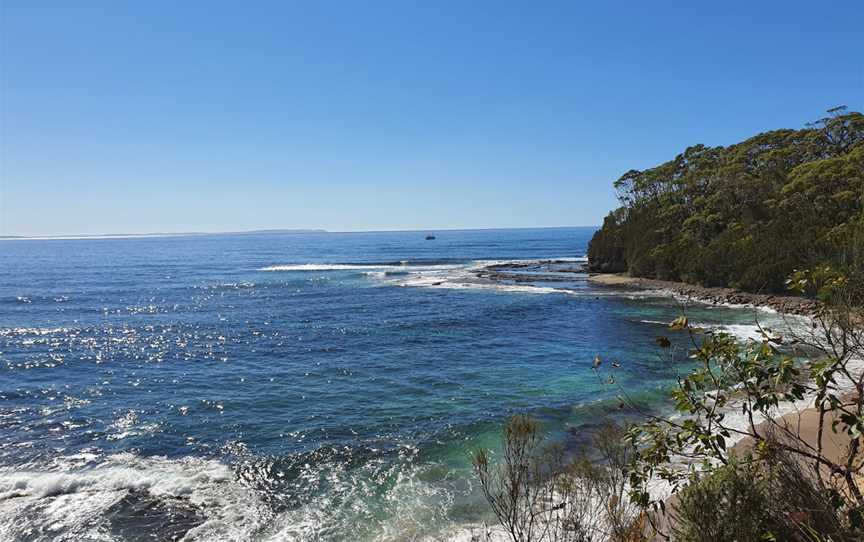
[294,386]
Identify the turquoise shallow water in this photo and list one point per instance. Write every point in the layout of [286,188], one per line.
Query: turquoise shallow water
[296,386]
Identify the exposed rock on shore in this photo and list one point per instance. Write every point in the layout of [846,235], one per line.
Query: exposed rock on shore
[715,296]
[539,271]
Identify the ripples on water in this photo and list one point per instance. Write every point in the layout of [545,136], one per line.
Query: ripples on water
[294,387]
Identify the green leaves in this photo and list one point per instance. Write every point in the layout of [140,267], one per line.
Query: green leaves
[726,372]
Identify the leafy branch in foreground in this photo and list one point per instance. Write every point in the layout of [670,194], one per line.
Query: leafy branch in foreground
[752,380]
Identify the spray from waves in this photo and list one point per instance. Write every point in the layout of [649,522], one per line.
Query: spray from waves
[375,502]
[339,497]
[192,498]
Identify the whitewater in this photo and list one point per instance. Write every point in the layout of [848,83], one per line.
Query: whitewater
[305,386]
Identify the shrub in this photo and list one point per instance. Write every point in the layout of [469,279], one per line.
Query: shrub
[769,496]
[538,495]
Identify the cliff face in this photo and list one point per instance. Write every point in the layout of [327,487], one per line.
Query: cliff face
[746,215]
[606,252]
[611,262]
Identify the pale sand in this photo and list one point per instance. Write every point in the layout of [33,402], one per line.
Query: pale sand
[805,425]
[609,279]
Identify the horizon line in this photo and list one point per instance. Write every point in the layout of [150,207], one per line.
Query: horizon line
[273,231]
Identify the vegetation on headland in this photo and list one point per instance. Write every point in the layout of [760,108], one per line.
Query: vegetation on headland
[781,211]
[744,216]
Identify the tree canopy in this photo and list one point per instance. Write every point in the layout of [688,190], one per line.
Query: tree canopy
[747,215]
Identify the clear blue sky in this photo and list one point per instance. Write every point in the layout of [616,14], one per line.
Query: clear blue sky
[205,116]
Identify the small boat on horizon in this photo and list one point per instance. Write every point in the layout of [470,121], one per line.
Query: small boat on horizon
[430,237]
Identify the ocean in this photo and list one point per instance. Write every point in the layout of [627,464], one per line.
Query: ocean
[302,386]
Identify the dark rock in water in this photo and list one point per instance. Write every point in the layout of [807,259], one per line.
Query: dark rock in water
[141,516]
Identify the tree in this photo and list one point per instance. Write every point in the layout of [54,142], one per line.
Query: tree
[744,216]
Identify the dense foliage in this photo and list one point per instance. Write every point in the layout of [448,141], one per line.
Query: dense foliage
[747,215]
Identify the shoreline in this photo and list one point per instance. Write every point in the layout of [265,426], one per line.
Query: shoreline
[785,304]
[799,418]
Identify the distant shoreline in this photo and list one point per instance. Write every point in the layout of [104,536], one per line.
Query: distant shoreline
[263,232]
[711,295]
[146,235]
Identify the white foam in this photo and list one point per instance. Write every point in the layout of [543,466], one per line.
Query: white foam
[71,500]
[326,267]
[742,332]
[403,266]
[464,277]
[407,506]
[446,276]
[66,502]
[437,282]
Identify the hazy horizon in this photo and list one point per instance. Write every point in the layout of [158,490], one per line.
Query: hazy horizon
[121,235]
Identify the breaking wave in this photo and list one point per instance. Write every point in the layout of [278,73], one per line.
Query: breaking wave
[362,266]
[447,274]
[190,498]
[122,496]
